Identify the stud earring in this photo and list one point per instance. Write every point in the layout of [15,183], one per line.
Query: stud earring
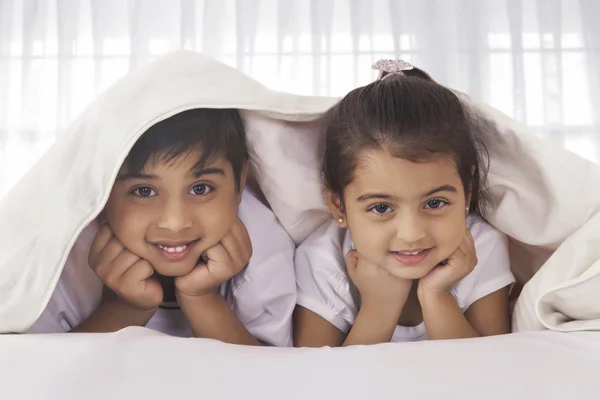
[467,209]
[340,220]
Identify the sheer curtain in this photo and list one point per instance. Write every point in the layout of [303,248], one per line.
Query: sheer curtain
[536,60]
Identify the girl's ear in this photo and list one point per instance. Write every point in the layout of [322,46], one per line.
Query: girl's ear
[468,208]
[469,192]
[337,209]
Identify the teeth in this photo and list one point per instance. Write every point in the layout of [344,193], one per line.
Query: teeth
[177,249]
[409,253]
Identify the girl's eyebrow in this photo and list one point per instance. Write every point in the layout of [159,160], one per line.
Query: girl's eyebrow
[443,188]
[374,196]
[385,196]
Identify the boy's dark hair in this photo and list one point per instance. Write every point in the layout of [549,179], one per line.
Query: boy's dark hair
[414,118]
[214,132]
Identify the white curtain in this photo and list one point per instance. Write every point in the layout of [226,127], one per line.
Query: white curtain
[536,60]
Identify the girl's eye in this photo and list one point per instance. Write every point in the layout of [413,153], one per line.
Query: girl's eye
[200,190]
[435,204]
[144,191]
[380,209]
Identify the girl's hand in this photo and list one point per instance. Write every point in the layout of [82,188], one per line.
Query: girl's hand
[126,274]
[375,284]
[223,261]
[461,263]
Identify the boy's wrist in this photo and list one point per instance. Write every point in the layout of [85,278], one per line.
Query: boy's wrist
[204,300]
[129,314]
[430,298]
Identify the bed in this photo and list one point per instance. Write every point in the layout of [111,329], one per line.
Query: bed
[547,201]
[143,364]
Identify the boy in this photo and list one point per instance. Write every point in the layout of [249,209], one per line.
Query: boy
[176,254]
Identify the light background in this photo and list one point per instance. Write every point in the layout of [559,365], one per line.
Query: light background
[536,60]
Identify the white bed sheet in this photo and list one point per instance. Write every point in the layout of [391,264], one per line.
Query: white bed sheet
[138,363]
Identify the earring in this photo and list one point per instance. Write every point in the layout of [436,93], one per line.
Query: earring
[340,220]
[467,209]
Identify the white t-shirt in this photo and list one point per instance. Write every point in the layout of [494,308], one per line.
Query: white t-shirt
[324,285]
[262,296]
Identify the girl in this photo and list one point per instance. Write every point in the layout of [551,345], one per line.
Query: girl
[408,256]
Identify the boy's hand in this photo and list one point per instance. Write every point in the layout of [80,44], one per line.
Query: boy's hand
[442,278]
[127,275]
[223,261]
[375,284]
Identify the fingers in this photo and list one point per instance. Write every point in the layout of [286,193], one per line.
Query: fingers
[136,282]
[206,276]
[470,241]
[242,246]
[100,241]
[352,259]
[463,247]
[472,250]
[465,258]
[108,254]
[220,262]
[238,246]
[112,272]
[467,246]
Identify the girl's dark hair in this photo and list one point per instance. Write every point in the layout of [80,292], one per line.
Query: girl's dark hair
[413,118]
[213,132]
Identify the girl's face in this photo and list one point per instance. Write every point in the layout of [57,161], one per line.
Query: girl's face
[405,217]
[171,213]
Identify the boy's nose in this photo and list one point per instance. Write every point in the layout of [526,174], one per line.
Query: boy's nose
[174,217]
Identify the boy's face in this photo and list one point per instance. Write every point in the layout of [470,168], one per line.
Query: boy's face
[170,214]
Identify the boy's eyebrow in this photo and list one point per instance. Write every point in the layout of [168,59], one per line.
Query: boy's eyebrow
[208,171]
[443,188]
[135,175]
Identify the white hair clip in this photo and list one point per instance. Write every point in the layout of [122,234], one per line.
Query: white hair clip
[391,67]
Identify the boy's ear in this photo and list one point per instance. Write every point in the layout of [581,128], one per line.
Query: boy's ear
[243,180]
[337,209]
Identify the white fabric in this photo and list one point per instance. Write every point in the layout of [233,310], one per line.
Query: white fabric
[263,296]
[324,285]
[546,198]
[137,363]
[536,61]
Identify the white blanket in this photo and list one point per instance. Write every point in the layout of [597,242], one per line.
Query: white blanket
[137,363]
[547,198]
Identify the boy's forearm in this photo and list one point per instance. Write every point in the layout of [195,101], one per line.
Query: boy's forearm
[443,317]
[211,317]
[374,324]
[113,315]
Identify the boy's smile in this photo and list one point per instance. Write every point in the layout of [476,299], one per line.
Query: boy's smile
[172,212]
[175,250]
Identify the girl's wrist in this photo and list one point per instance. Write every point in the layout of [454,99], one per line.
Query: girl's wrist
[387,308]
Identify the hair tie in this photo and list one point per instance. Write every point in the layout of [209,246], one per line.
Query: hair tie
[391,67]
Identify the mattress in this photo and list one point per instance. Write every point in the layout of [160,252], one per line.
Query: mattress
[140,363]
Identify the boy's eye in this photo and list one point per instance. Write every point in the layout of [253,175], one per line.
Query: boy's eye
[144,191]
[200,189]
[380,209]
[435,204]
